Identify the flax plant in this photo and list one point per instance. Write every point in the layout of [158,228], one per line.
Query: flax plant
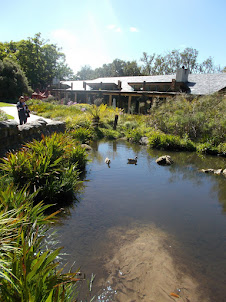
[29,262]
[51,167]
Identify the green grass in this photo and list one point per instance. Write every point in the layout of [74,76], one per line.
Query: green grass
[9,117]
[5,105]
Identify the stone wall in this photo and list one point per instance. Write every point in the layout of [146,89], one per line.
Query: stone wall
[13,136]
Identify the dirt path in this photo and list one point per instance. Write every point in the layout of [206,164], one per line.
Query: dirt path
[142,268]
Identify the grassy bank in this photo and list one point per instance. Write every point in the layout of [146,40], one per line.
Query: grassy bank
[177,124]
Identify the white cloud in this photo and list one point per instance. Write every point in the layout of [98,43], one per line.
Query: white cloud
[114,28]
[134,29]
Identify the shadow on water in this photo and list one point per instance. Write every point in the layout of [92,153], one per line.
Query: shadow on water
[179,200]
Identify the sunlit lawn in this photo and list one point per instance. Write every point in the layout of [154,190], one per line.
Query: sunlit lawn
[5,105]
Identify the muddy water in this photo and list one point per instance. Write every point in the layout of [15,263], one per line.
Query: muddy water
[124,211]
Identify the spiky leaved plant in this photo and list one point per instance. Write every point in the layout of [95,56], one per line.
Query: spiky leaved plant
[50,166]
[29,267]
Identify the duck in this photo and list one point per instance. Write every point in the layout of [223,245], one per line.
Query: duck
[132,160]
[107,161]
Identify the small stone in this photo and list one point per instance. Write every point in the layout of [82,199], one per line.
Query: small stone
[218,171]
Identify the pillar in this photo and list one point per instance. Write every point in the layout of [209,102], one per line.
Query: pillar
[129,104]
[110,100]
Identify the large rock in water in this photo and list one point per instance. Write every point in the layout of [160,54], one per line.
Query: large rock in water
[164,160]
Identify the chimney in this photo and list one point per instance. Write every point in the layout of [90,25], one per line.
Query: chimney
[182,75]
[119,85]
[84,85]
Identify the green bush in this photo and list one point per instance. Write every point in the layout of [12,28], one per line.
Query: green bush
[200,119]
[170,142]
[82,134]
[134,135]
[50,166]
[221,148]
[109,133]
[207,148]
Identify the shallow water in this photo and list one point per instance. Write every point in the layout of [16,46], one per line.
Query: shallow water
[178,199]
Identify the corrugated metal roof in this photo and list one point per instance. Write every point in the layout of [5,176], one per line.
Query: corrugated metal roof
[199,84]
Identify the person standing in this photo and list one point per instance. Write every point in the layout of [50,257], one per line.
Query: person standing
[22,110]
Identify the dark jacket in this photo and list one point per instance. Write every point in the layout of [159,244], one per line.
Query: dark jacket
[22,111]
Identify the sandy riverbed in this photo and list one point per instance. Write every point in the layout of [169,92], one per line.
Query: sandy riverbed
[143,267]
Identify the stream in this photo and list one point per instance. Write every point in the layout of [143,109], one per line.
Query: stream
[118,204]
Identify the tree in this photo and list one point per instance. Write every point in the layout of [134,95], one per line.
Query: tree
[40,61]
[13,81]
[131,69]
[148,63]
[171,61]
[86,73]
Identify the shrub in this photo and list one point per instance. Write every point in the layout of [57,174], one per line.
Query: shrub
[134,135]
[201,119]
[170,142]
[207,148]
[221,148]
[82,134]
[109,133]
[50,166]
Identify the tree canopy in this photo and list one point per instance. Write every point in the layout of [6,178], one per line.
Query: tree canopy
[118,68]
[13,81]
[41,62]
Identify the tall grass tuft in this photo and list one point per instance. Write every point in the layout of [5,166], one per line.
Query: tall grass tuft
[50,166]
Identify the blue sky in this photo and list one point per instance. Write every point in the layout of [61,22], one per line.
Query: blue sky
[94,32]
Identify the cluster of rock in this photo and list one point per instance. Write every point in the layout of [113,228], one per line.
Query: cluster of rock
[215,171]
[13,136]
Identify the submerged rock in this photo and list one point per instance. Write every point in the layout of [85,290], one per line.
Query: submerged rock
[164,160]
